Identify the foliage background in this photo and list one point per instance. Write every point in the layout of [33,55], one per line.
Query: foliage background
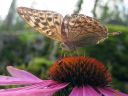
[31,51]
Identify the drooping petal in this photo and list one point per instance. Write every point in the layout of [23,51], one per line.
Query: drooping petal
[84,91]
[7,80]
[44,89]
[21,73]
[37,85]
[19,77]
[111,92]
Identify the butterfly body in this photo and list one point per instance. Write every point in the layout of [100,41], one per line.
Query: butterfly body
[73,31]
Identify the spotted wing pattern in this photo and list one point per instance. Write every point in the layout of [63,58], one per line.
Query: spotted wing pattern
[47,23]
[80,30]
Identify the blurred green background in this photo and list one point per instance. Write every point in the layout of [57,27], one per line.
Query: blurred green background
[20,46]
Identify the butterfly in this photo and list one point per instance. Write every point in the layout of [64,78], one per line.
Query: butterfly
[72,31]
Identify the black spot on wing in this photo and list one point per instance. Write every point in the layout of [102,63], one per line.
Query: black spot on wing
[37,20]
[45,23]
[41,18]
[49,19]
[45,28]
[57,23]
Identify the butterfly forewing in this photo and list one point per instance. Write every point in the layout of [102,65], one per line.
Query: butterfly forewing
[81,30]
[46,22]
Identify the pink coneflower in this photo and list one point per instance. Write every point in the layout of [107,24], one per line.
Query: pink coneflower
[83,76]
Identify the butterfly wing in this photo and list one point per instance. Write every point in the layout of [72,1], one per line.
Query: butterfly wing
[47,23]
[80,30]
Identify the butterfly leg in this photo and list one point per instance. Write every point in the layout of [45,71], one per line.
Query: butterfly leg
[114,33]
[102,40]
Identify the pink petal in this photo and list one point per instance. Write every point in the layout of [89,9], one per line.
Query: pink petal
[7,80]
[106,92]
[115,91]
[76,92]
[84,91]
[38,85]
[21,73]
[44,89]
[111,92]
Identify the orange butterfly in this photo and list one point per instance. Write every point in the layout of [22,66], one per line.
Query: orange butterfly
[73,31]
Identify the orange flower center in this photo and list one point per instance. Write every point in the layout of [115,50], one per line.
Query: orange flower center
[79,71]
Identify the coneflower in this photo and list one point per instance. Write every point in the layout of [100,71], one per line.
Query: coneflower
[84,76]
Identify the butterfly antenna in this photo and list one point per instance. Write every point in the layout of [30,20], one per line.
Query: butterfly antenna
[114,33]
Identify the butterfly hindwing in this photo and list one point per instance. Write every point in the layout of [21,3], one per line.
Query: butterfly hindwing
[47,23]
[81,30]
